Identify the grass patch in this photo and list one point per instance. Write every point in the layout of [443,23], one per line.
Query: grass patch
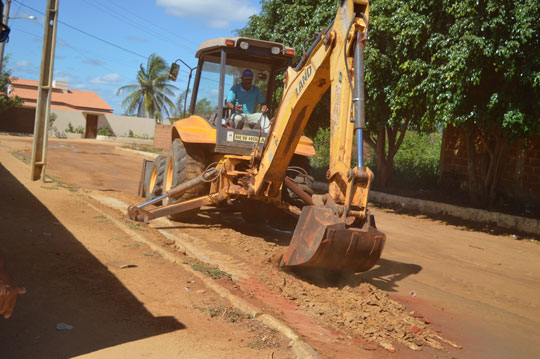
[61,184]
[136,227]
[213,273]
[20,156]
[152,254]
[144,148]
[263,342]
[230,314]
[101,219]
[131,245]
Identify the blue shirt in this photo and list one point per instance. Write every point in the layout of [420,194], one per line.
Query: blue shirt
[249,99]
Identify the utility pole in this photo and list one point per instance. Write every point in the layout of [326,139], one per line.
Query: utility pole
[41,124]
[5,18]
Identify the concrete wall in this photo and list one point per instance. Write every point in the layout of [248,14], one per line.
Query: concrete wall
[162,136]
[22,120]
[18,120]
[121,125]
[520,172]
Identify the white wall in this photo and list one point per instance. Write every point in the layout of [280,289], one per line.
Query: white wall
[121,125]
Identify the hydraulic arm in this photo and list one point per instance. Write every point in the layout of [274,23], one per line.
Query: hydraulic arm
[337,232]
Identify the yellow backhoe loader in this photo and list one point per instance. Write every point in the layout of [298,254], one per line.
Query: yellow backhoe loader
[210,163]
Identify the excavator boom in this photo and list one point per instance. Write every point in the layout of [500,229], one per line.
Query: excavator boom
[337,233]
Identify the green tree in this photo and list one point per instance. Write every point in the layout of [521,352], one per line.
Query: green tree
[150,97]
[180,104]
[397,61]
[294,23]
[204,107]
[485,78]
[7,101]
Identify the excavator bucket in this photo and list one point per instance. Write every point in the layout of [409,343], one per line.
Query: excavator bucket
[322,240]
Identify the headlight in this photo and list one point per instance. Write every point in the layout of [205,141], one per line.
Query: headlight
[244,45]
[276,50]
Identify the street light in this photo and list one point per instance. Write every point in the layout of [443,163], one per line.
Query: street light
[29,17]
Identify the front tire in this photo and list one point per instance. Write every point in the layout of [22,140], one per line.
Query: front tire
[155,181]
[184,163]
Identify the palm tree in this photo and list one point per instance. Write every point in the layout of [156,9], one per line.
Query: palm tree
[150,96]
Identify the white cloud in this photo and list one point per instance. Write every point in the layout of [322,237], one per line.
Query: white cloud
[60,75]
[106,79]
[220,13]
[23,64]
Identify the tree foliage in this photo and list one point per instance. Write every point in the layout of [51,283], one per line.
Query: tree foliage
[181,103]
[485,78]
[433,63]
[397,61]
[290,22]
[150,97]
[294,23]
[6,100]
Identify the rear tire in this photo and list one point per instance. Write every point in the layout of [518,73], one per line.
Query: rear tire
[184,163]
[155,181]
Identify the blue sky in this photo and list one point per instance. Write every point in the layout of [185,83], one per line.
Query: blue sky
[170,28]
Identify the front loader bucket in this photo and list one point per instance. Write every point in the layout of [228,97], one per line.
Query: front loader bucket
[321,240]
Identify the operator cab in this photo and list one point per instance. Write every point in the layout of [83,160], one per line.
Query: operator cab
[220,66]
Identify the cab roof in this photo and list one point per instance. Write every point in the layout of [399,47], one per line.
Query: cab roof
[217,43]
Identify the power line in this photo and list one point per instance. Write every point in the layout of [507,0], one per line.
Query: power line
[65,43]
[195,45]
[105,8]
[18,9]
[97,38]
[87,33]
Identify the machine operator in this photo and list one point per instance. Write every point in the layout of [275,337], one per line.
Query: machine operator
[243,99]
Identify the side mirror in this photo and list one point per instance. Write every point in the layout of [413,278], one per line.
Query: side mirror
[173,72]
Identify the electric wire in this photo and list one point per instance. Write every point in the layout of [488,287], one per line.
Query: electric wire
[157,25]
[137,23]
[86,33]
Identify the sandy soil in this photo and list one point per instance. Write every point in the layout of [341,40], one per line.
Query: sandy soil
[437,287]
[64,251]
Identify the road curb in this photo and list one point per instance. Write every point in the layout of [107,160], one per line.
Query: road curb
[506,221]
[301,349]
[142,153]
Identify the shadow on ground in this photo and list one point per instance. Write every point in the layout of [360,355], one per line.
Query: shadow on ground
[65,283]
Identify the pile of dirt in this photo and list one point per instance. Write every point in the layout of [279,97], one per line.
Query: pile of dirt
[357,309]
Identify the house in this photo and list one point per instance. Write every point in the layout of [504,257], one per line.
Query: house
[78,110]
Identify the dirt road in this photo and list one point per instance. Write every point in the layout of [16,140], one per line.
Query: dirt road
[474,289]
